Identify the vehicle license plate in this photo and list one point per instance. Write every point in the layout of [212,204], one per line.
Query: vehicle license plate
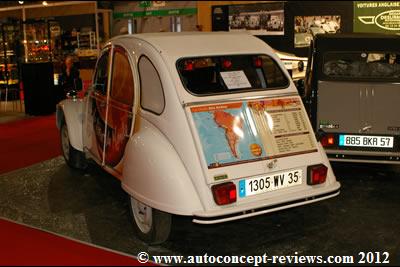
[366,141]
[267,183]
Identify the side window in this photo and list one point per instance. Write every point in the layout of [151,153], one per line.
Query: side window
[152,94]
[101,77]
[122,85]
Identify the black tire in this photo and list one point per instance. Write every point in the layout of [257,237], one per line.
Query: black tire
[74,158]
[160,228]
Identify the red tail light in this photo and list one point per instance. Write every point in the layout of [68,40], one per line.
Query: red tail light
[224,193]
[328,140]
[258,62]
[227,64]
[316,174]
[189,65]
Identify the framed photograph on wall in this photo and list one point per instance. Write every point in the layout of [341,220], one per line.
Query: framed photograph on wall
[306,27]
[258,19]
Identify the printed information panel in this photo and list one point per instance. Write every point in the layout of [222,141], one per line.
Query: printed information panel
[233,133]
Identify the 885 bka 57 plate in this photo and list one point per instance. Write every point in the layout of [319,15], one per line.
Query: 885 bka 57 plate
[366,141]
[266,183]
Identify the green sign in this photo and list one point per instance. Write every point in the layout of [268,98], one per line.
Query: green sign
[144,3]
[159,12]
[377,16]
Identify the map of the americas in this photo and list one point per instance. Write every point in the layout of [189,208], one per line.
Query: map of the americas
[227,122]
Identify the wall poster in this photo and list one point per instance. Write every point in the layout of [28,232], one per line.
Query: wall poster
[377,17]
[306,27]
[258,19]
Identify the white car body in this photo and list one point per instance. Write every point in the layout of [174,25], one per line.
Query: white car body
[163,163]
[328,28]
[292,63]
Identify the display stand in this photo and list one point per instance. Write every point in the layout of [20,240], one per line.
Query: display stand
[39,89]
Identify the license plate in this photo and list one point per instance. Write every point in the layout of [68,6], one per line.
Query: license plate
[267,183]
[366,141]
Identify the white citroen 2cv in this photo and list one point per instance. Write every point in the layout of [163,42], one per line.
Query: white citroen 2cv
[207,125]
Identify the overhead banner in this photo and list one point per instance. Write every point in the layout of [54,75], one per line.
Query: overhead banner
[158,12]
[377,17]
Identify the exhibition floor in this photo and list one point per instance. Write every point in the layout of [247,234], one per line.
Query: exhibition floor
[26,246]
[91,206]
[25,140]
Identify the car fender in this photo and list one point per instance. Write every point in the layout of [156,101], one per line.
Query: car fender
[154,174]
[331,178]
[72,112]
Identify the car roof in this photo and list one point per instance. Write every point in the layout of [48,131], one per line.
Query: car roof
[357,41]
[182,44]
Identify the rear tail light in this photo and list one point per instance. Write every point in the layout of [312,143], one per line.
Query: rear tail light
[189,65]
[258,62]
[224,193]
[227,64]
[328,140]
[316,174]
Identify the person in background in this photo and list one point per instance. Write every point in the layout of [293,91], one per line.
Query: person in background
[69,78]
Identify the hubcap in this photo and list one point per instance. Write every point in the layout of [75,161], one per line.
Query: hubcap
[143,215]
[65,142]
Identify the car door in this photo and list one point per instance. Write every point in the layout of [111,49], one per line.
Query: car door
[341,106]
[95,115]
[120,116]
[386,108]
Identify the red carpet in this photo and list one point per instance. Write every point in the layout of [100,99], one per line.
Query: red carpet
[28,141]
[22,245]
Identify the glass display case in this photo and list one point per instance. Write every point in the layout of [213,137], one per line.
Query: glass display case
[37,42]
[43,41]
[9,51]
[87,46]
[55,41]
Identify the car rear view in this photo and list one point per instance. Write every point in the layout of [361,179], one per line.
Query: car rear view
[356,99]
[258,150]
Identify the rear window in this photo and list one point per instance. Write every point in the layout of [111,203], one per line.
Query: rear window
[362,65]
[227,74]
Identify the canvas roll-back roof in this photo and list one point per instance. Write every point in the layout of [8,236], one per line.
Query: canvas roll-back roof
[183,44]
[357,42]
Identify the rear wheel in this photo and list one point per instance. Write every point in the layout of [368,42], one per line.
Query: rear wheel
[74,158]
[151,225]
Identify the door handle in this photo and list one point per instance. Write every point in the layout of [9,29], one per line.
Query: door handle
[365,129]
[102,104]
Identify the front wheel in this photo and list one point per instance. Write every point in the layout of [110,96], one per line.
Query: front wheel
[74,158]
[151,225]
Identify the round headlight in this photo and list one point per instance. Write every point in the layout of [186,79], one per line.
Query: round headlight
[300,65]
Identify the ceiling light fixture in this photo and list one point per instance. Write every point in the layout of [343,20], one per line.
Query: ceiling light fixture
[21,2]
[44,3]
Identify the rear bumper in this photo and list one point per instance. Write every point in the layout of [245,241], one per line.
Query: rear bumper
[363,156]
[210,218]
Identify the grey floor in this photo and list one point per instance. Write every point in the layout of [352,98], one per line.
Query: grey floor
[91,206]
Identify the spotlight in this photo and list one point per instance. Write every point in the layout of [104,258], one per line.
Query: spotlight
[21,2]
[44,3]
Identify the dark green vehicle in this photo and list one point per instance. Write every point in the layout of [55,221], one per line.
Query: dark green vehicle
[352,93]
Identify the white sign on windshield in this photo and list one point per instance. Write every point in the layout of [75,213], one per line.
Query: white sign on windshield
[235,79]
